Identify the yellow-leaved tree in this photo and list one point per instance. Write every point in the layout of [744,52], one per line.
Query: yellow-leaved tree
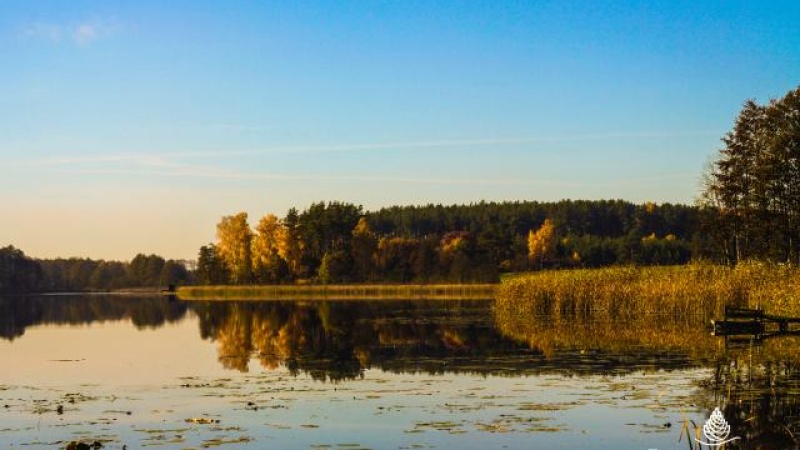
[268,265]
[542,244]
[235,240]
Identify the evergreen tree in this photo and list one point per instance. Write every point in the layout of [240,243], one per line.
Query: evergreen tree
[754,184]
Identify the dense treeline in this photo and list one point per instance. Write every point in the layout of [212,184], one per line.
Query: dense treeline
[754,185]
[340,242]
[79,274]
[19,273]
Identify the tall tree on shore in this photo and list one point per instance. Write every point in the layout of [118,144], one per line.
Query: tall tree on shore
[290,247]
[268,265]
[783,165]
[755,182]
[235,243]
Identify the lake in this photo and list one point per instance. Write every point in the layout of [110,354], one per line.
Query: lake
[136,372]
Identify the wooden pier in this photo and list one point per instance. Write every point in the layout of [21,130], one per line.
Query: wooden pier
[754,323]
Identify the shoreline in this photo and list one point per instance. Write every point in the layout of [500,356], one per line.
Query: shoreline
[340,292]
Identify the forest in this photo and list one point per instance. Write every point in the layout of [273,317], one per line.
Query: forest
[339,242]
[20,273]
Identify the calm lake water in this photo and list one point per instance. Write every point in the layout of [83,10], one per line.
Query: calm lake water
[134,372]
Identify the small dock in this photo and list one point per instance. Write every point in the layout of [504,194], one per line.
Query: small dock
[754,323]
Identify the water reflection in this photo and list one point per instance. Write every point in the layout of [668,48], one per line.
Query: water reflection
[18,313]
[759,388]
[338,340]
[756,384]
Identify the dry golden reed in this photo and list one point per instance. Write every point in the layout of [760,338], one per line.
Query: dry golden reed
[694,289]
[621,309]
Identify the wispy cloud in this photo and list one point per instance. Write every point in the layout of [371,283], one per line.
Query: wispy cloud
[206,164]
[83,32]
[237,175]
[478,142]
[170,167]
[490,143]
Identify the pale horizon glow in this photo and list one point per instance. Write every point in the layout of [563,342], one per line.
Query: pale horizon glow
[132,128]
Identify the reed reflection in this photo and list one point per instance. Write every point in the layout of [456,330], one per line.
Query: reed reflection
[758,386]
[755,383]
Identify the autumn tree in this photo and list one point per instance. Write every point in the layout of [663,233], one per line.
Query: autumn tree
[235,244]
[542,244]
[268,265]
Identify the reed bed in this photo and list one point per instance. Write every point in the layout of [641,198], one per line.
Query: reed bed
[687,335]
[341,292]
[621,309]
[624,292]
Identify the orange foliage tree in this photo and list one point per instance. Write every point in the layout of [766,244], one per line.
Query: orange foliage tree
[542,244]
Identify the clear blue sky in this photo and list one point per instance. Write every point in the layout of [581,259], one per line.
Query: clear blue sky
[134,126]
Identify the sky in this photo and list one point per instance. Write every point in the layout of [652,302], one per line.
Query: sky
[133,127]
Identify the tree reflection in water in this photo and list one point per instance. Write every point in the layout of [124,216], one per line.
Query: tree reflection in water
[756,385]
[339,340]
[18,313]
